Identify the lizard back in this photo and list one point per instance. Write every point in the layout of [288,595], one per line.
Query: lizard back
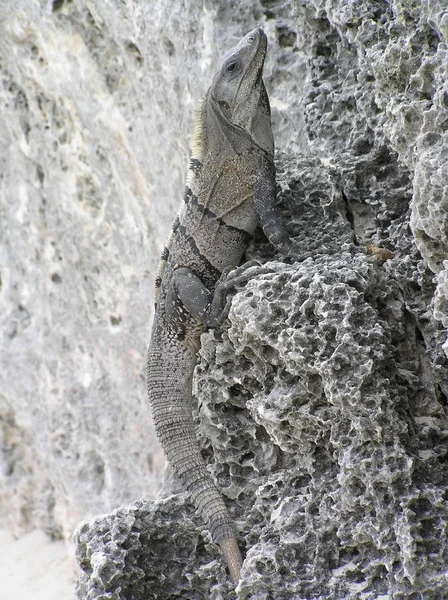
[232,153]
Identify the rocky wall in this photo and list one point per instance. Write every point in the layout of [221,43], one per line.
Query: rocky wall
[322,404]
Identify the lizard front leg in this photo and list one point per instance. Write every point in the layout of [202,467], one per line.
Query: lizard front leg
[194,297]
[271,221]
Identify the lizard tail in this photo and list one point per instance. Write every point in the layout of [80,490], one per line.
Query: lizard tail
[169,392]
[232,556]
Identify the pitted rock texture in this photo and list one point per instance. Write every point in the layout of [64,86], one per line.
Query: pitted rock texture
[124,559]
[322,415]
[328,391]
[378,98]
[325,424]
[328,443]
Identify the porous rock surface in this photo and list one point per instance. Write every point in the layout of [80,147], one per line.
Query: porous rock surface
[322,404]
[322,418]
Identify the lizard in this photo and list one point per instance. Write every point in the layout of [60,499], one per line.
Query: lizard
[230,188]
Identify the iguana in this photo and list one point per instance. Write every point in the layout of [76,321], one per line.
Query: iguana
[230,189]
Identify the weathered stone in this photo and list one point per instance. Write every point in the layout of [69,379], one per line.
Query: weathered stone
[90,173]
[322,403]
[124,557]
[321,415]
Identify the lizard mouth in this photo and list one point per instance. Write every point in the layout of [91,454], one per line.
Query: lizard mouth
[251,82]
[258,39]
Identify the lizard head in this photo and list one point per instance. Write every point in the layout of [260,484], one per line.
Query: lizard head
[238,89]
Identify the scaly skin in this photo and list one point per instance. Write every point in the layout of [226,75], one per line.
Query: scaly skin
[230,188]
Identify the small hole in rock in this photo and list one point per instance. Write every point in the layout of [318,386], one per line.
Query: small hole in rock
[57,5]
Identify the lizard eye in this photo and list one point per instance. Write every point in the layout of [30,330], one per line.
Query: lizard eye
[232,66]
[224,104]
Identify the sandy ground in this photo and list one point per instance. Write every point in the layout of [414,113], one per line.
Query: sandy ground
[35,568]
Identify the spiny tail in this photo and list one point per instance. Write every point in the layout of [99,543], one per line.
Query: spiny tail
[169,393]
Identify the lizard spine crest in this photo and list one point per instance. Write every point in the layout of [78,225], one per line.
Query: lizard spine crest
[230,188]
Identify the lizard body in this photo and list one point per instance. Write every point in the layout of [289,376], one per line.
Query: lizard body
[230,189]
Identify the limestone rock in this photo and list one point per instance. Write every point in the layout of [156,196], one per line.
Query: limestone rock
[322,403]
[322,419]
[77,245]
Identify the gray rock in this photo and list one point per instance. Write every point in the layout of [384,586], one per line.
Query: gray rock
[322,418]
[78,242]
[323,402]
